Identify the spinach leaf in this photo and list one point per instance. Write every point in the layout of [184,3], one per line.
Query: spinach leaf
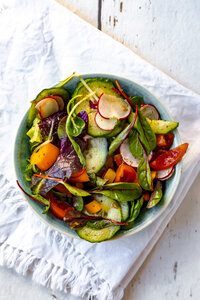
[100,224]
[144,174]
[134,144]
[147,135]
[76,126]
[122,191]
[43,201]
[28,171]
[137,100]
[135,209]
[123,134]
[156,196]
[78,203]
[61,131]
[68,131]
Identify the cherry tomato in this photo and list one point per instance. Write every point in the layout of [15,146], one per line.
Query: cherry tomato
[169,158]
[125,173]
[164,141]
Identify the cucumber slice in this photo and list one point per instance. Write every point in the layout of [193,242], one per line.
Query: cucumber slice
[161,126]
[124,210]
[96,154]
[97,235]
[110,208]
[93,129]
[98,85]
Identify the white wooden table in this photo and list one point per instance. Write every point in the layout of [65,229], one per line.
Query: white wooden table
[166,33]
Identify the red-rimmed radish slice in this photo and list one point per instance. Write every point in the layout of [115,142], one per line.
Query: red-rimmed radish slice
[165,174]
[60,101]
[39,103]
[48,108]
[150,111]
[105,124]
[127,156]
[110,106]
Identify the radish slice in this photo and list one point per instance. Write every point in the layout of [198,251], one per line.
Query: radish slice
[105,124]
[42,101]
[150,111]
[48,107]
[127,155]
[60,101]
[165,174]
[110,106]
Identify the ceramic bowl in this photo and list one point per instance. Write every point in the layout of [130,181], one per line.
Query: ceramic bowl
[147,216]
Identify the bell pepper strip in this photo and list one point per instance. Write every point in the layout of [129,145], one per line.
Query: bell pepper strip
[59,208]
[62,189]
[153,175]
[118,159]
[126,173]
[82,178]
[124,95]
[93,207]
[169,158]
[109,175]
[164,141]
[45,157]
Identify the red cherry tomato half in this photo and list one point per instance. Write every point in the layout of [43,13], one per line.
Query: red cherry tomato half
[164,141]
[169,158]
[125,173]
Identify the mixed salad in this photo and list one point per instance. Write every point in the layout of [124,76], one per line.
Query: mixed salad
[98,157]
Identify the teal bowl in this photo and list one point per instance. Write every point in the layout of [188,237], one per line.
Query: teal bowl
[147,216]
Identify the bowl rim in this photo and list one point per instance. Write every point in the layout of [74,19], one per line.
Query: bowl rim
[133,230]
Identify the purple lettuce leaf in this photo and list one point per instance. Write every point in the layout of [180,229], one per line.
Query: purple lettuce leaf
[46,123]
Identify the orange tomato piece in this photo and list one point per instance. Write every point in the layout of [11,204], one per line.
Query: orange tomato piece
[125,173]
[45,157]
[118,159]
[169,158]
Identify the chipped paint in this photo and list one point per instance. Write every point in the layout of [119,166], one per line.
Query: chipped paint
[115,20]
[121,6]
[175,269]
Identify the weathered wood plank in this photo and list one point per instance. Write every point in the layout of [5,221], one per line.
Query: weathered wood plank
[160,31]
[86,9]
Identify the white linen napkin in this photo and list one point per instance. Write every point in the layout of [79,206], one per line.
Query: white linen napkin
[41,43]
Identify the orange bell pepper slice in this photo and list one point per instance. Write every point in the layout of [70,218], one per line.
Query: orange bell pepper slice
[45,157]
[80,176]
[93,207]
[118,159]
[109,175]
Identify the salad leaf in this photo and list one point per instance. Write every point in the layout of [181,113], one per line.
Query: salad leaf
[122,191]
[34,132]
[147,135]
[61,131]
[135,146]
[137,100]
[156,196]
[51,123]
[76,126]
[135,209]
[28,171]
[98,224]
[144,174]
[78,203]
[123,134]
[51,182]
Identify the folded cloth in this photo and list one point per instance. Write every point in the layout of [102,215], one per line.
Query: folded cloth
[41,43]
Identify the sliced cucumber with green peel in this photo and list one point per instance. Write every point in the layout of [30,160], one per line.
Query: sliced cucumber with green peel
[124,210]
[96,154]
[111,209]
[161,126]
[97,85]
[97,235]
[93,129]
